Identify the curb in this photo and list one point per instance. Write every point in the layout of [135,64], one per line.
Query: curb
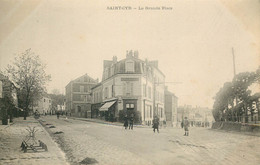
[107,123]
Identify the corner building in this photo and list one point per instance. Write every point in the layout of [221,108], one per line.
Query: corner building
[130,87]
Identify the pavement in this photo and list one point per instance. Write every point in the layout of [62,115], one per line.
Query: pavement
[146,126]
[78,140]
[105,122]
[110,144]
[11,137]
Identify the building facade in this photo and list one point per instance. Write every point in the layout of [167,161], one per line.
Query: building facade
[43,105]
[171,104]
[130,86]
[78,96]
[8,100]
[198,116]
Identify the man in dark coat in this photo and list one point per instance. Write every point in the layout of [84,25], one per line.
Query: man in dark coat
[131,121]
[125,121]
[156,124]
[186,125]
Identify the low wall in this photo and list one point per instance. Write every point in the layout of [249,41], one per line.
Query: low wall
[232,126]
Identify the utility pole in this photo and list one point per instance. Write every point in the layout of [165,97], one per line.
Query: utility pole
[234,66]
[234,69]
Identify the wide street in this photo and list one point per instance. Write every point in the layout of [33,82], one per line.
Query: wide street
[111,144]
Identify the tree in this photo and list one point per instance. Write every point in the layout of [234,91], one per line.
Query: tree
[237,91]
[57,99]
[28,73]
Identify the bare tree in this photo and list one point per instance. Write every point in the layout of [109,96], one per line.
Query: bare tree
[28,73]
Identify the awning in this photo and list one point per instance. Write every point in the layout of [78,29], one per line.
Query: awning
[106,106]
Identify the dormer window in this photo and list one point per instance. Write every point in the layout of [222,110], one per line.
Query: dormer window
[129,66]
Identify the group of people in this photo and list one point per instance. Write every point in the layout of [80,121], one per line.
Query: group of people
[129,122]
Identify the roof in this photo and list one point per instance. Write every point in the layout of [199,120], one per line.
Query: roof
[85,75]
[166,92]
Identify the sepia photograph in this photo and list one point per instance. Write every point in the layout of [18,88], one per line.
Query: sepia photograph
[130,82]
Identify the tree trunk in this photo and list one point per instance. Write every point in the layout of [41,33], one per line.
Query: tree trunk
[24,115]
[246,115]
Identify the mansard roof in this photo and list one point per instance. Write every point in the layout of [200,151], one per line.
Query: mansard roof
[120,65]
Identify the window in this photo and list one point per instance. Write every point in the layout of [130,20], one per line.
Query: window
[83,98]
[161,112]
[112,90]
[149,93]
[106,93]
[148,111]
[129,89]
[129,66]
[79,109]
[81,88]
[150,108]
[144,90]
[130,105]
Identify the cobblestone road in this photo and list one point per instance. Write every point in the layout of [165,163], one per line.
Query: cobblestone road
[109,144]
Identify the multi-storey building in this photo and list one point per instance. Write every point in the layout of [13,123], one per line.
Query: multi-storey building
[96,101]
[171,104]
[43,105]
[78,96]
[130,86]
[8,100]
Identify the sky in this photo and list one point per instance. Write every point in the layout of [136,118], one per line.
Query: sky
[193,42]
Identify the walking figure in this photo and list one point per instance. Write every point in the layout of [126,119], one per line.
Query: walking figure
[125,121]
[156,124]
[58,115]
[186,124]
[131,121]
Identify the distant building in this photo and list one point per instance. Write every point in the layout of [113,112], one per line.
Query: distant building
[171,104]
[96,100]
[130,86]
[61,108]
[43,105]
[78,96]
[198,116]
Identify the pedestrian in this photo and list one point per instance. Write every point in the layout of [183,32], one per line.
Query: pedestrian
[125,121]
[131,121]
[156,124]
[58,115]
[186,124]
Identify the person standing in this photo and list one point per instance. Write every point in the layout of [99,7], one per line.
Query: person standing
[186,124]
[125,121]
[131,121]
[156,124]
[58,115]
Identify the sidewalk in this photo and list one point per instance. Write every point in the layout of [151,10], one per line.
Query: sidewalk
[106,122]
[11,137]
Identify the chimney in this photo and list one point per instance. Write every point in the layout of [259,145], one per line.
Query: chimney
[114,59]
[129,54]
[166,88]
[136,54]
